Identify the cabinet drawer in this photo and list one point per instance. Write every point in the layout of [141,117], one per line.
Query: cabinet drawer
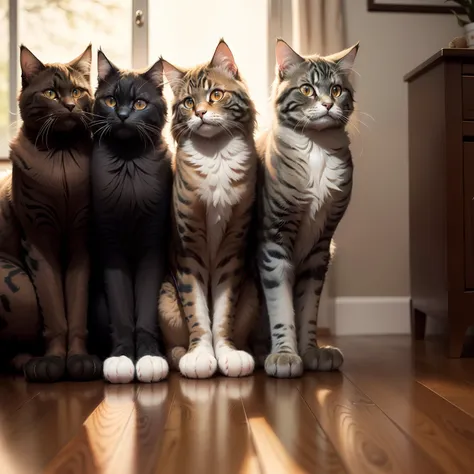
[468,97]
[469,215]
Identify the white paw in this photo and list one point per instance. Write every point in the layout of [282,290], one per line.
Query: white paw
[151,369]
[284,365]
[236,364]
[119,369]
[198,364]
[323,358]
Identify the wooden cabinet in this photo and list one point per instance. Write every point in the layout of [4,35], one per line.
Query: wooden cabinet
[441,170]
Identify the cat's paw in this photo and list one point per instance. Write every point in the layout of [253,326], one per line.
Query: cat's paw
[151,369]
[119,369]
[236,364]
[84,367]
[323,358]
[284,365]
[198,364]
[47,369]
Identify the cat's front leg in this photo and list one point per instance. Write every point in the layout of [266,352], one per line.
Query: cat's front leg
[192,278]
[80,365]
[151,366]
[310,278]
[226,280]
[120,366]
[277,280]
[42,258]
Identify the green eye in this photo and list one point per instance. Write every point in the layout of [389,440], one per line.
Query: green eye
[336,91]
[110,101]
[50,94]
[307,90]
[188,103]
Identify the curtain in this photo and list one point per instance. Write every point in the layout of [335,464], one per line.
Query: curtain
[317,26]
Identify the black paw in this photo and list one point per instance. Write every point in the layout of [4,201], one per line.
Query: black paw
[84,367]
[45,369]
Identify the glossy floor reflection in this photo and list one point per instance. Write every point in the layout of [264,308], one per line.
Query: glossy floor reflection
[394,408]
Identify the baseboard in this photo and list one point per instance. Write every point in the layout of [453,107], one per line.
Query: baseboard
[370,316]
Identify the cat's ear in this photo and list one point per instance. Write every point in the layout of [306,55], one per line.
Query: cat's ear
[224,59]
[83,62]
[104,67]
[286,57]
[345,59]
[30,65]
[173,75]
[155,74]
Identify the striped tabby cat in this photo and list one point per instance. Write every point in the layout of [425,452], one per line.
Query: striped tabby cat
[44,215]
[307,186]
[213,195]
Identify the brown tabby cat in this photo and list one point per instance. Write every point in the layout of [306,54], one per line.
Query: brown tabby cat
[213,194]
[43,217]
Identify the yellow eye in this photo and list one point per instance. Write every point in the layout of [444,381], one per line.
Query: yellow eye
[50,94]
[139,104]
[336,90]
[76,93]
[110,101]
[188,103]
[307,90]
[216,95]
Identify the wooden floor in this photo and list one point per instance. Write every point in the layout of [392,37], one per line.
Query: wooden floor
[393,409]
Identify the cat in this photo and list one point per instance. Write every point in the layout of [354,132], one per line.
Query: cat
[307,181]
[44,217]
[131,192]
[209,301]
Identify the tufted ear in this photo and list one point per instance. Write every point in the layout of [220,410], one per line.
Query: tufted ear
[155,74]
[104,67]
[30,65]
[224,59]
[345,59]
[83,62]
[173,75]
[286,57]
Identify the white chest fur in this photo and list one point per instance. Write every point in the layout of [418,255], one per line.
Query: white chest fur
[219,168]
[327,174]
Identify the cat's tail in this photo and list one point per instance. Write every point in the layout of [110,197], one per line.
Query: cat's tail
[172,323]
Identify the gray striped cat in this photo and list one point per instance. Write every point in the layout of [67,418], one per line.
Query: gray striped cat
[307,181]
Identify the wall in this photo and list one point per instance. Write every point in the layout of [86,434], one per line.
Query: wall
[372,240]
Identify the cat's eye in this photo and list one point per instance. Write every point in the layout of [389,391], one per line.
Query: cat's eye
[307,90]
[139,104]
[188,103]
[336,90]
[77,93]
[50,94]
[110,101]
[216,95]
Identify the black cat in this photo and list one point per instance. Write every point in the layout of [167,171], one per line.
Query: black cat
[131,190]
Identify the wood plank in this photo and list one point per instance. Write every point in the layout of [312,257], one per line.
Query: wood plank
[92,449]
[206,430]
[365,438]
[387,376]
[33,434]
[287,436]
[14,393]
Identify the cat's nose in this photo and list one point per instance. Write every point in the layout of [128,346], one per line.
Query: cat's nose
[200,113]
[123,114]
[69,105]
[328,105]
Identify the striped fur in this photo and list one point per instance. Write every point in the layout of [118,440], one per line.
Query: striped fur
[47,198]
[307,181]
[208,303]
